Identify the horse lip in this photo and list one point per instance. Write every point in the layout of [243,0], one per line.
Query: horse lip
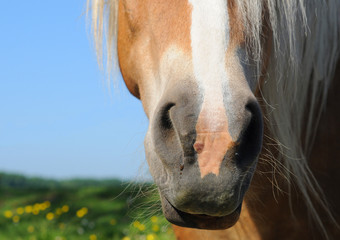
[200,221]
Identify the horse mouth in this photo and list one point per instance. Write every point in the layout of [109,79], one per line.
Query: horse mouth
[200,221]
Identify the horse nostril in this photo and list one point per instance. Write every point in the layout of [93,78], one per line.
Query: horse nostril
[253,108]
[251,141]
[165,120]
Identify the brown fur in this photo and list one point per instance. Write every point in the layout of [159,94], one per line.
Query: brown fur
[236,26]
[155,19]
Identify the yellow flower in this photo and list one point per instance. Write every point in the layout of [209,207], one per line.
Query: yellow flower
[150,237]
[35,211]
[155,228]
[49,216]
[136,224]
[42,206]
[58,211]
[30,229]
[126,238]
[113,222]
[28,209]
[65,208]
[36,207]
[16,219]
[8,214]
[20,210]
[93,237]
[47,204]
[82,212]
[141,227]
[154,219]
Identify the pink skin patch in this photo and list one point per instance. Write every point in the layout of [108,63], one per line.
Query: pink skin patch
[213,139]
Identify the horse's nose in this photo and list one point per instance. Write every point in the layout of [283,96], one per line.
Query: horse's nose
[207,150]
[204,135]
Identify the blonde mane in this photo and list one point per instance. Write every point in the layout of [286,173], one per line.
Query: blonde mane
[306,38]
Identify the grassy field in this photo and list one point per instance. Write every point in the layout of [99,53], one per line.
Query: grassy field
[39,209]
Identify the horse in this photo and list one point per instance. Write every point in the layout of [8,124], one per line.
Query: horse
[241,97]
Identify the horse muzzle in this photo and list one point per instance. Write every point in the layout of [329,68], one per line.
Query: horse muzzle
[203,160]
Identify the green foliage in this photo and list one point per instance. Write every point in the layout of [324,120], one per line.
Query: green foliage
[22,182]
[39,209]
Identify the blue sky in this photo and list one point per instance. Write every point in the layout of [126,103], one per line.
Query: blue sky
[57,117]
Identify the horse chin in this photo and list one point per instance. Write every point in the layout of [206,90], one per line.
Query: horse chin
[200,221]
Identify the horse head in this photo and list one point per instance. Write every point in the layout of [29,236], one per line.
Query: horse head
[187,62]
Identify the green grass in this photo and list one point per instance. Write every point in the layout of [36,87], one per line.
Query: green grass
[38,209]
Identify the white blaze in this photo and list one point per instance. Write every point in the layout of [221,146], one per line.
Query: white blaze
[209,42]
